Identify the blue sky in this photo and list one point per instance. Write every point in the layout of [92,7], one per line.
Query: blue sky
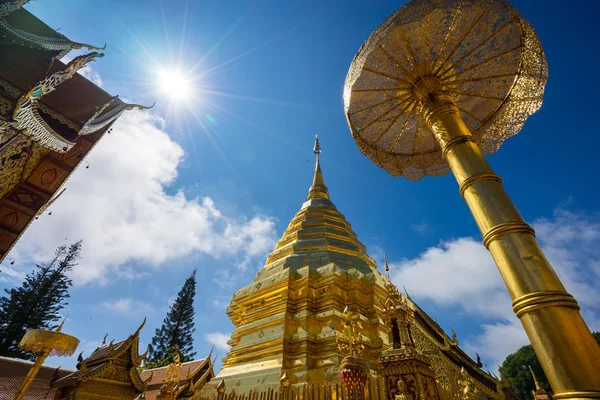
[211,180]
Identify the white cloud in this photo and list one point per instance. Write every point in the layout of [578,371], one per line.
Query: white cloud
[127,306]
[91,74]
[121,210]
[218,339]
[420,228]
[461,273]
[221,301]
[456,273]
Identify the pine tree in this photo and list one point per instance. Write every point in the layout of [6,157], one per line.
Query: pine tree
[178,326]
[37,303]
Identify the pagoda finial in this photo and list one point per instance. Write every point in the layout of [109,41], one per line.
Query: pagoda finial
[387,267]
[318,188]
[539,389]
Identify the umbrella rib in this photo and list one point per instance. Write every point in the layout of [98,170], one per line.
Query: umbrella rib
[482,96]
[485,78]
[459,42]
[386,129]
[484,62]
[381,116]
[479,46]
[469,114]
[451,28]
[379,90]
[400,134]
[399,65]
[407,44]
[375,105]
[374,71]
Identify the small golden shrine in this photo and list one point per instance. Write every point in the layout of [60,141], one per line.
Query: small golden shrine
[110,372]
[405,370]
[189,378]
[50,117]
[288,321]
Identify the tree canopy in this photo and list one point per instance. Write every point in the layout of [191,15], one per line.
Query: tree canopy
[36,304]
[515,371]
[178,326]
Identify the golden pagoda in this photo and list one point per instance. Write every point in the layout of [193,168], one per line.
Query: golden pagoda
[287,321]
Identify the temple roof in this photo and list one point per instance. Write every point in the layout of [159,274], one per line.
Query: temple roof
[104,356]
[13,370]
[193,375]
[319,229]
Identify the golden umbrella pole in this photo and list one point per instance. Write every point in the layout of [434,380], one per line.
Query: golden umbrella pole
[44,343]
[562,341]
[439,84]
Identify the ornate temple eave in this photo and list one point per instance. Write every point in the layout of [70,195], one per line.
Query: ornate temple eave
[29,120]
[23,38]
[9,6]
[26,116]
[103,118]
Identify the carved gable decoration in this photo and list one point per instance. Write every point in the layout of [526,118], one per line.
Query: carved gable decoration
[111,369]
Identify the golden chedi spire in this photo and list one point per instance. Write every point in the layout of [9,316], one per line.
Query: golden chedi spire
[318,188]
[320,227]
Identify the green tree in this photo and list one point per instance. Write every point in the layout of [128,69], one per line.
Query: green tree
[515,371]
[37,302]
[178,326]
[170,358]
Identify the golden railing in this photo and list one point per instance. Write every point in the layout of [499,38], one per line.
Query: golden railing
[316,391]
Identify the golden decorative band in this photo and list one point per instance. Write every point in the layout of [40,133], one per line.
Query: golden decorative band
[577,395]
[478,178]
[455,141]
[505,229]
[546,298]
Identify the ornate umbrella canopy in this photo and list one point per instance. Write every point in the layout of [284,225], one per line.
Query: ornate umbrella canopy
[481,52]
[52,343]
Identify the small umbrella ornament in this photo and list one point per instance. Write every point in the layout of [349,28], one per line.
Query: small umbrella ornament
[44,343]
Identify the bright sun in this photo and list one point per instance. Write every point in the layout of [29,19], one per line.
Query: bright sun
[174,83]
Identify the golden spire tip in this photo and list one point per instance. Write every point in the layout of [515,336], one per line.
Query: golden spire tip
[59,329]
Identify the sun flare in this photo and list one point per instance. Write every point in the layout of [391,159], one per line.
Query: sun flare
[174,83]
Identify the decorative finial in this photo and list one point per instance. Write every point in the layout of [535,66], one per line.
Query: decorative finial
[317,147]
[318,188]
[387,267]
[538,386]
[285,380]
[406,292]
[221,387]
[61,324]
[141,326]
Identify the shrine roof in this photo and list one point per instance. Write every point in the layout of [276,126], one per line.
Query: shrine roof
[24,20]
[158,374]
[75,99]
[101,354]
[13,370]
[191,370]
